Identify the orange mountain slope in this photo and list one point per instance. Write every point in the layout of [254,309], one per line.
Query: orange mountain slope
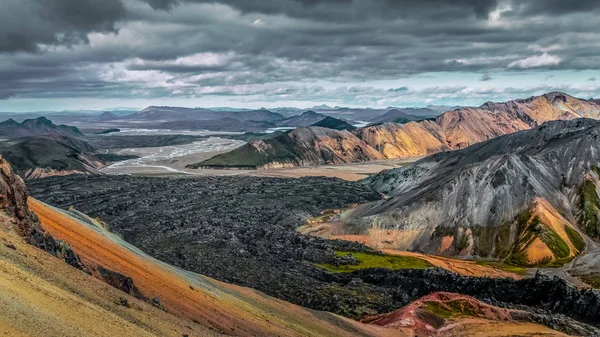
[222,307]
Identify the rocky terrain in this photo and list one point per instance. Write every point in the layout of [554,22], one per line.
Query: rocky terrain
[230,228]
[529,198]
[452,130]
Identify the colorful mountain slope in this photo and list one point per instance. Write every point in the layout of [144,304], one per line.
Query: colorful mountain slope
[528,197]
[456,129]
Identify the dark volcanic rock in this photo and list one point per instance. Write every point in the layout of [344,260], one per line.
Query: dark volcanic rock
[119,281]
[242,230]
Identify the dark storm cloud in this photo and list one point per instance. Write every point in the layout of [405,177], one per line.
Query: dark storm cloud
[345,9]
[24,24]
[558,7]
[115,48]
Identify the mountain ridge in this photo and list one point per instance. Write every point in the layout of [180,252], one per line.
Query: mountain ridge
[455,129]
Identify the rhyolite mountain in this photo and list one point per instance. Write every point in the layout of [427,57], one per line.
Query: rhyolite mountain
[530,198]
[36,127]
[304,146]
[452,130]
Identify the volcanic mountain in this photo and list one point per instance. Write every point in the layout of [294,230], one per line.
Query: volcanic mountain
[40,126]
[452,130]
[530,198]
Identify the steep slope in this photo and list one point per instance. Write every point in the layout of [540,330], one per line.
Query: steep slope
[334,123]
[36,127]
[51,155]
[200,300]
[458,128]
[522,197]
[305,146]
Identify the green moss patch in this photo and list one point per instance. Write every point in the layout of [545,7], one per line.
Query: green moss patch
[589,219]
[576,238]
[372,260]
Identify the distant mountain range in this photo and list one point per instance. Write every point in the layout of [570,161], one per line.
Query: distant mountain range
[452,130]
[36,127]
[231,119]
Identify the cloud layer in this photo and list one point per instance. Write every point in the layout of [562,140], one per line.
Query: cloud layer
[286,49]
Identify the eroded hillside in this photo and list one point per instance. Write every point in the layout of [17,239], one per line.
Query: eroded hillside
[529,198]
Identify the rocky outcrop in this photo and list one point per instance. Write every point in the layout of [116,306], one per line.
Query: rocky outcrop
[15,216]
[456,129]
[516,197]
[119,281]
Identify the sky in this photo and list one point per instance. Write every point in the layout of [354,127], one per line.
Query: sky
[100,54]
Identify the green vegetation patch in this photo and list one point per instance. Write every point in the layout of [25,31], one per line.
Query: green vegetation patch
[373,260]
[576,238]
[590,205]
[558,246]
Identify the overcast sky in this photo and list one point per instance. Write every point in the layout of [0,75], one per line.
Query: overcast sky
[96,54]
